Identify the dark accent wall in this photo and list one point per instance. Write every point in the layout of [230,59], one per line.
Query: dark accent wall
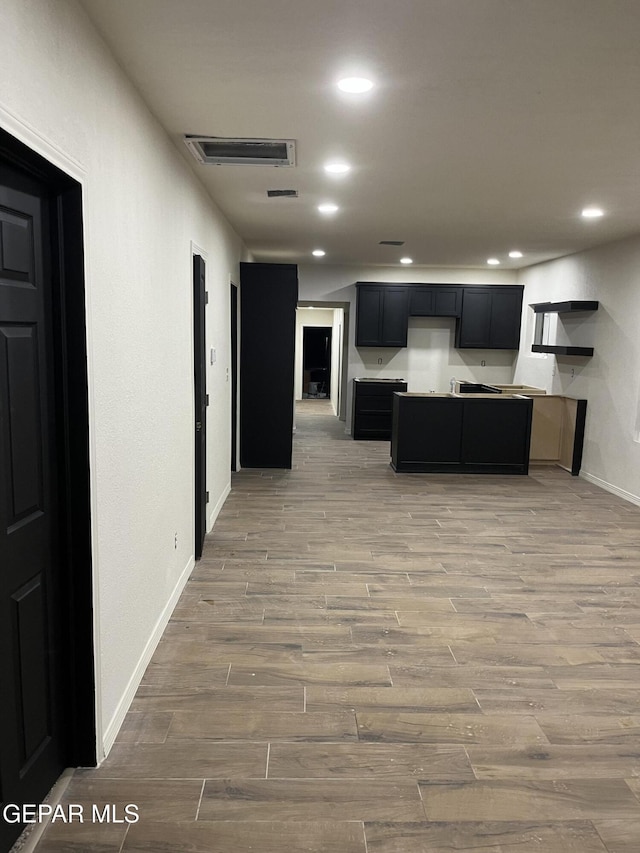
[268,300]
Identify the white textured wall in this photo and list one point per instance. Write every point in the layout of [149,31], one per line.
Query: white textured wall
[143,208]
[429,361]
[610,380]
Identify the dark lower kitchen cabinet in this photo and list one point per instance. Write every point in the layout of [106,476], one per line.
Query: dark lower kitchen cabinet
[382,315]
[490,318]
[373,407]
[441,433]
[435,301]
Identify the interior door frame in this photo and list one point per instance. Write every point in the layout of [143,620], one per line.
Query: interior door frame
[305,341]
[344,372]
[74,442]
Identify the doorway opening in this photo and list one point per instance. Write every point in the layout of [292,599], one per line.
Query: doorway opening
[316,362]
[323,315]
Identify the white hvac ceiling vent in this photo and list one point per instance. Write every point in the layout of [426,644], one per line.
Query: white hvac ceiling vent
[218,151]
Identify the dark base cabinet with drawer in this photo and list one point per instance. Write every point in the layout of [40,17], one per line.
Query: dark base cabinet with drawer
[373,407]
[439,433]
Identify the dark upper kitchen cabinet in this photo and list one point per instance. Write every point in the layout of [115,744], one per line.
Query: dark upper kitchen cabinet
[435,301]
[382,315]
[486,317]
[490,318]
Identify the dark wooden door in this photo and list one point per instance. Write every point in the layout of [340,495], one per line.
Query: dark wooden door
[32,693]
[234,378]
[200,399]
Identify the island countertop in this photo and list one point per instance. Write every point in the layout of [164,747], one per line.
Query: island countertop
[461,433]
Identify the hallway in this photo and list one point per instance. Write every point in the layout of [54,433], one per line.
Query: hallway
[366,662]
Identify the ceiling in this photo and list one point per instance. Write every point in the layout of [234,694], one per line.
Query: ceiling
[491,125]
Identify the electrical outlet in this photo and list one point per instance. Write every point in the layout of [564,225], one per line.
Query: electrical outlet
[483,363]
[175,542]
[573,372]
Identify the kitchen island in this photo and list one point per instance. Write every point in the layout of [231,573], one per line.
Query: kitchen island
[461,433]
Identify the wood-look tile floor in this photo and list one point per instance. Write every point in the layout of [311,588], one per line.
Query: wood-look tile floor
[366,662]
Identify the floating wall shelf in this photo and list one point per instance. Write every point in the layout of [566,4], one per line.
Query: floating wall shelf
[572,306]
[559,350]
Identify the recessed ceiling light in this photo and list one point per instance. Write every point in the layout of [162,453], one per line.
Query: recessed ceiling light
[328,207]
[493,261]
[355,85]
[515,254]
[319,253]
[406,260]
[592,212]
[337,168]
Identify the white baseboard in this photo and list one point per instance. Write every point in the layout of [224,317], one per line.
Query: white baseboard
[215,511]
[609,487]
[112,729]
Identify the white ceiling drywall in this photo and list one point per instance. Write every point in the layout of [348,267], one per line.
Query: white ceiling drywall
[492,123]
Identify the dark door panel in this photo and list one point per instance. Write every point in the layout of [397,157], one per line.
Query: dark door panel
[32,699]
[505,319]
[200,402]
[395,317]
[369,316]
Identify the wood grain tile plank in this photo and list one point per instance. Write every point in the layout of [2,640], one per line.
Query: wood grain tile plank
[407,727]
[246,724]
[311,673]
[246,836]
[424,700]
[310,799]
[484,837]
[186,759]
[553,761]
[368,761]
[523,800]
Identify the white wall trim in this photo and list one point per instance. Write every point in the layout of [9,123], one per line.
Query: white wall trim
[609,487]
[48,149]
[111,731]
[197,250]
[44,146]
[215,511]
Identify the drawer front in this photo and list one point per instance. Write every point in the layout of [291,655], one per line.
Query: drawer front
[379,389]
[374,405]
[373,426]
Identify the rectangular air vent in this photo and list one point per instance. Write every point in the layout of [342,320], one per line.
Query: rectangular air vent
[218,151]
[391,243]
[282,193]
